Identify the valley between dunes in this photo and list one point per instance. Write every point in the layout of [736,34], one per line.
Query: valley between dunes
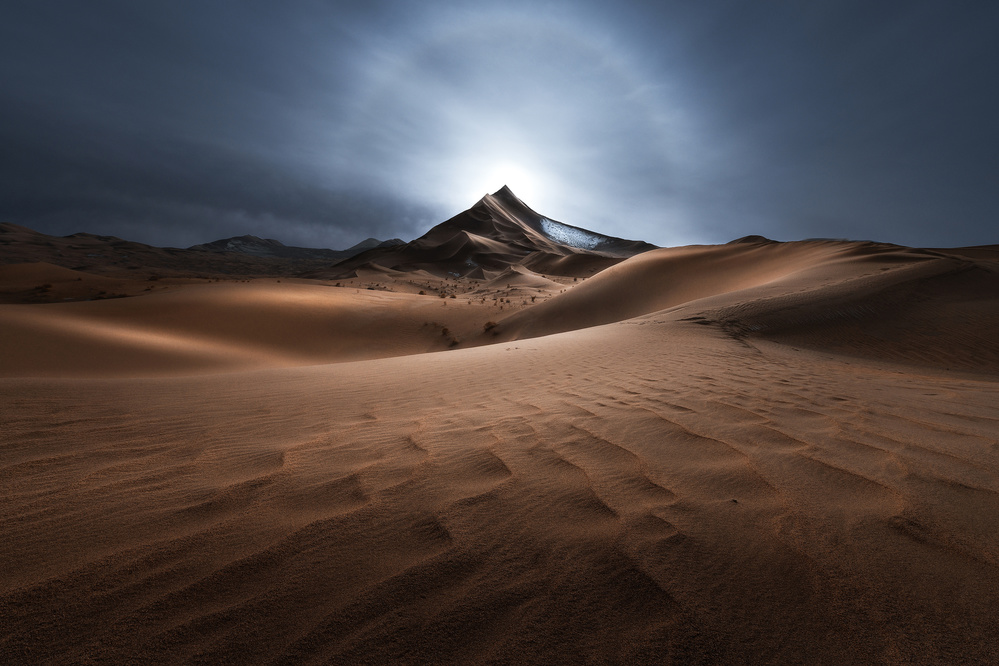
[748,453]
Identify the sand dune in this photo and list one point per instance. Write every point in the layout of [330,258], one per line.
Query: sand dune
[862,299]
[522,277]
[665,278]
[751,453]
[600,495]
[228,326]
[40,282]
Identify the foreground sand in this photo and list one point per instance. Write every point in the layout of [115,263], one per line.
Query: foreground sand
[750,472]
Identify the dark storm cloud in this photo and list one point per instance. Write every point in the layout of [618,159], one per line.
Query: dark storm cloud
[324,123]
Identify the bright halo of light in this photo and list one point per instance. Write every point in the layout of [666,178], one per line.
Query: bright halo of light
[530,185]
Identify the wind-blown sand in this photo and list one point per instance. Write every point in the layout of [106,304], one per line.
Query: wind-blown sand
[776,453]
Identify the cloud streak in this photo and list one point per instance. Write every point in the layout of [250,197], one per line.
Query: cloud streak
[324,123]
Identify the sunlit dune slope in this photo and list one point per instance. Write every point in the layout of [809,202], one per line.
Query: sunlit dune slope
[868,299]
[521,277]
[879,301]
[225,326]
[668,277]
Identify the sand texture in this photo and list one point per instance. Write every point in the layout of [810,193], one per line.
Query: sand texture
[749,453]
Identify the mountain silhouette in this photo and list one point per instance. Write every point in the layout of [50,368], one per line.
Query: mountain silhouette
[496,233]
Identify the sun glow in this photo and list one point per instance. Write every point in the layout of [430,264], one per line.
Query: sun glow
[529,185]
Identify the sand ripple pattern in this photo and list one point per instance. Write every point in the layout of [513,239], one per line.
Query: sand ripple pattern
[595,497]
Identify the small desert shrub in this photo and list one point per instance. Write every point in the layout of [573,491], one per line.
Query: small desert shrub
[445,331]
[489,325]
[453,296]
[423,293]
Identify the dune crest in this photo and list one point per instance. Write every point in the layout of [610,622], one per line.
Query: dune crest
[882,301]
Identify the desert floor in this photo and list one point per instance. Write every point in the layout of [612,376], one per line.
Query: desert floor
[737,454]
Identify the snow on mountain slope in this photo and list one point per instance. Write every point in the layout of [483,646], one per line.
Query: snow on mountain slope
[571,236]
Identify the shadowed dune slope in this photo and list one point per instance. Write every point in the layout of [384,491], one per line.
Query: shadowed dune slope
[943,313]
[40,282]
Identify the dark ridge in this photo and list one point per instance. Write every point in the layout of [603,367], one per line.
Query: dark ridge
[497,232]
[753,238]
[242,256]
[268,247]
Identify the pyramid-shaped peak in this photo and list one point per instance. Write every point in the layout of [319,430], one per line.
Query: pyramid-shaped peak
[497,232]
[505,194]
[512,204]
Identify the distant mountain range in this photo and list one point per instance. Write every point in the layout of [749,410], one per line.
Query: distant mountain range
[239,256]
[498,233]
[268,247]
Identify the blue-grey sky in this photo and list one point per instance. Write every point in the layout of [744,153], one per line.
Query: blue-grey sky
[322,123]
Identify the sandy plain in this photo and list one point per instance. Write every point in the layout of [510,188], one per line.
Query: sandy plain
[748,453]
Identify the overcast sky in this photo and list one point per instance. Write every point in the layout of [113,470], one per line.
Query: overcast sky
[323,123]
